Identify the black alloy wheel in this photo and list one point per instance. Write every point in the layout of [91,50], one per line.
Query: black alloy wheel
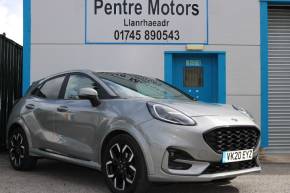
[124,166]
[19,151]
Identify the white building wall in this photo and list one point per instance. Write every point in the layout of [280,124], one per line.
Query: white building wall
[234,27]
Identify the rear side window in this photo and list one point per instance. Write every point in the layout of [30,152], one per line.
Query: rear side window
[51,88]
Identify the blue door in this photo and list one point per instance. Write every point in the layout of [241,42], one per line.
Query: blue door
[197,76]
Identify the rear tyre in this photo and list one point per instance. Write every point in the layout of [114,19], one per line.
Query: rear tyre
[124,166]
[19,151]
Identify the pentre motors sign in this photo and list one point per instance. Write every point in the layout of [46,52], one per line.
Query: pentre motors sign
[146,21]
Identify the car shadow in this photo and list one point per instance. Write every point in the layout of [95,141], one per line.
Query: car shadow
[90,178]
[194,188]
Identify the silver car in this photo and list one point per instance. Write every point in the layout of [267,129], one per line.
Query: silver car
[134,129]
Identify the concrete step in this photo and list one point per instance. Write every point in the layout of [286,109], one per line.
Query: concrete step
[266,157]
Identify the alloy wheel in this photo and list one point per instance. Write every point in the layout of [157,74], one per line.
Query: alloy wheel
[121,167]
[17,149]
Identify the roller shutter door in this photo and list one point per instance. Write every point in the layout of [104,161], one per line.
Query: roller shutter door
[279,79]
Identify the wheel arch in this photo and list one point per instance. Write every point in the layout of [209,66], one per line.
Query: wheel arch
[138,138]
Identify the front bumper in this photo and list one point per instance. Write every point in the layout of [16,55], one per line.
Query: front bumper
[203,177]
[190,140]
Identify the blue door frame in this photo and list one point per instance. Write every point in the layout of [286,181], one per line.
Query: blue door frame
[221,69]
[264,67]
[204,67]
[26,44]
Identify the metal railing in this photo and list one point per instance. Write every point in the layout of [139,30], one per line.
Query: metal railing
[10,80]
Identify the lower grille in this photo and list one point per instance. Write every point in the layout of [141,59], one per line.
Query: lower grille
[228,167]
[232,138]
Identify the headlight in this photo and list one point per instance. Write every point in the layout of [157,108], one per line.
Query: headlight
[169,115]
[244,111]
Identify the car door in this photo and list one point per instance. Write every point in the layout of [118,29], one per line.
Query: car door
[77,122]
[40,112]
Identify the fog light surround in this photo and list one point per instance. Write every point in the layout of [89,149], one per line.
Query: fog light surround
[179,162]
[178,159]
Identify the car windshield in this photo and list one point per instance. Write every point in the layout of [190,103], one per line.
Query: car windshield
[136,86]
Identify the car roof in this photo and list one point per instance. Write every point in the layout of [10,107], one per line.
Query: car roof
[90,72]
[68,72]
[97,74]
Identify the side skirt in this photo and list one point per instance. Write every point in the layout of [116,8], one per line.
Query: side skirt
[50,155]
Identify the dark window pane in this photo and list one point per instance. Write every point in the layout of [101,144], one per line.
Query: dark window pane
[193,77]
[51,88]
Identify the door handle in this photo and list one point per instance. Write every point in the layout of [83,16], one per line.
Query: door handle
[30,106]
[62,109]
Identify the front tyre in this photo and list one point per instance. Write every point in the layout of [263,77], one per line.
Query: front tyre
[124,166]
[19,151]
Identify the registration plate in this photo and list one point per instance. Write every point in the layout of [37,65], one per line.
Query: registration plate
[237,156]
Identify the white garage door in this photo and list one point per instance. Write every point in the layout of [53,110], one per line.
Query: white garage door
[279,79]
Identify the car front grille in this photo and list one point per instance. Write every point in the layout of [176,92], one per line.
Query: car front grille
[228,167]
[232,138]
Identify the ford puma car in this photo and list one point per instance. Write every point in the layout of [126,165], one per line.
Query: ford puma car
[134,129]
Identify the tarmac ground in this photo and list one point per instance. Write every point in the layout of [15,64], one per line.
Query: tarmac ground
[58,177]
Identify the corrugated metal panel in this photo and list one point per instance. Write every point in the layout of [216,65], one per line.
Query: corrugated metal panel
[279,79]
[10,80]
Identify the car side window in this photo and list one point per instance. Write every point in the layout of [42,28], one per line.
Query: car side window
[77,82]
[51,88]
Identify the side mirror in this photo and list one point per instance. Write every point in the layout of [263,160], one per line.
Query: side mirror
[91,95]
